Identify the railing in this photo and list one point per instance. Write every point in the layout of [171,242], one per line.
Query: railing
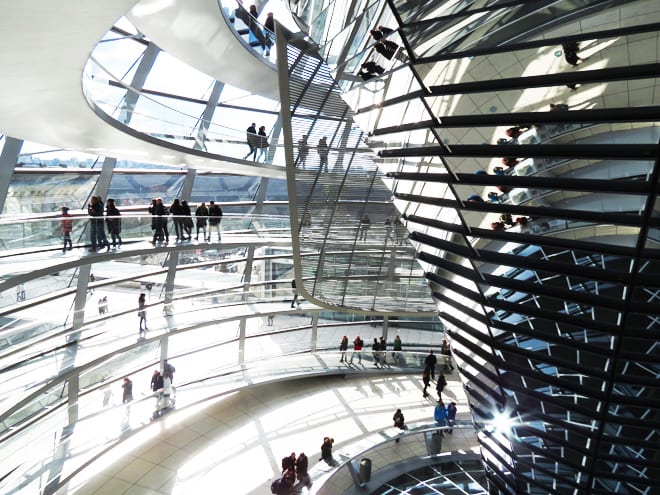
[75,444]
[45,232]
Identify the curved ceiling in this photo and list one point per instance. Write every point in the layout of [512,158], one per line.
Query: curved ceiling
[43,60]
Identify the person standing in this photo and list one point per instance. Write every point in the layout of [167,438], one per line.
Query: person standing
[357,349]
[262,144]
[215,217]
[156,381]
[113,221]
[127,391]
[302,465]
[168,370]
[323,150]
[440,415]
[201,216]
[365,224]
[142,313]
[97,231]
[251,137]
[303,151]
[445,350]
[67,227]
[167,390]
[326,449]
[383,350]
[187,220]
[398,345]
[343,347]
[177,214]
[375,351]
[430,363]
[451,416]
[399,420]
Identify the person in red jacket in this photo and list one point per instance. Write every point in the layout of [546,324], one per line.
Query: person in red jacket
[67,228]
[357,349]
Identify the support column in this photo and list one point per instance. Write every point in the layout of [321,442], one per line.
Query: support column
[130,100]
[241,341]
[8,159]
[173,261]
[188,184]
[81,296]
[207,116]
[103,184]
[315,330]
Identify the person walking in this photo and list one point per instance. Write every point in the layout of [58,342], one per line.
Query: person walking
[127,391]
[430,362]
[142,313]
[442,383]
[426,380]
[343,347]
[251,138]
[303,151]
[323,150]
[269,33]
[262,144]
[399,420]
[357,349]
[201,217]
[66,225]
[294,303]
[187,220]
[113,221]
[215,217]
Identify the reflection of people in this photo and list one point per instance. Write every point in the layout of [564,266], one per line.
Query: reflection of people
[127,390]
[365,223]
[385,47]
[369,70]
[67,226]
[295,301]
[323,150]
[142,312]
[20,293]
[303,151]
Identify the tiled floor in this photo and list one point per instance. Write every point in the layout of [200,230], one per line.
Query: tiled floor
[234,445]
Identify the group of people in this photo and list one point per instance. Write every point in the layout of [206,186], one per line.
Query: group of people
[430,363]
[378,350]
[257,141]
[98,223]
[161,385]
[293,467]
[208,219]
